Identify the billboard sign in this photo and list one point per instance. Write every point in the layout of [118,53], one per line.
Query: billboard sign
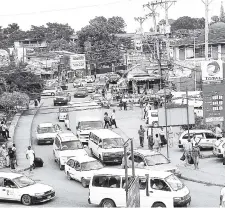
[212,71]
[77,61]
[176,116]
[133,194]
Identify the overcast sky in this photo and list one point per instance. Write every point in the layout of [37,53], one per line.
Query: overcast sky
[77,13]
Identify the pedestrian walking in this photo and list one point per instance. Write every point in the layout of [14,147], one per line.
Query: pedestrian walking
[107,120]
[157,143]
[11,158]
[121,104]
[5,155]
[113,118]
[7,131]
[30,155]
[218,131]
[196,155]
[141,133]
[14,150]
[150,142]
[162,137]
[187,151]
[4,127]
[125,105]
[146,110]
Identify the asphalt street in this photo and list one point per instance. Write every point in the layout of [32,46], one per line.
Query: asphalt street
[72,194]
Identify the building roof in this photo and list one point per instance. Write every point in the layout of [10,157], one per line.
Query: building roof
[216,35]
[105,134]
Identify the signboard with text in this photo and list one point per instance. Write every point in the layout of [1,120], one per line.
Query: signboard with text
[77,61]
[212,71]
[133,197]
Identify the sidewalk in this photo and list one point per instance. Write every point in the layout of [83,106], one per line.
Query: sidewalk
[20,135]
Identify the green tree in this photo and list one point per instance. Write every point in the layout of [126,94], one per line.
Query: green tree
[215,19]
[62,44]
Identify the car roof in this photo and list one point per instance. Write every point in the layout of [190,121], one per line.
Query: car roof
[83,159]
[67,136]
[197,131]
[105,134]
[138,172]
[146,152]
[10,175]
[89,118]
[44,125]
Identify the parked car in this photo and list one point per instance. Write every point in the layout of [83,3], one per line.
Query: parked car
[51,91]
[81,92]
[17,187]
[219,148]
[62,114]
[204,138]
[65,146]
[82,168]
[61,98]
[46,132]
[153,161]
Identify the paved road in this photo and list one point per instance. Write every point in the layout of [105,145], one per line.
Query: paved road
[72,194]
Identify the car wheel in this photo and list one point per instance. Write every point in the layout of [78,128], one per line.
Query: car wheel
[60,166]
[159,204]
[26,200]
[68,176]
[53,94]
[84,183]
[108,203]
[155,124]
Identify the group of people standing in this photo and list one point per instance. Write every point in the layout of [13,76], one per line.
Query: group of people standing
[4,130]
[110,121]
[9,156]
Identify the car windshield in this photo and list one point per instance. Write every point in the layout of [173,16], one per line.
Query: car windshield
[86,125]
[157,159]
[174,182]
[23,181]
[92,165]
[44,130]
[71,145]
[63,94]
[112,143]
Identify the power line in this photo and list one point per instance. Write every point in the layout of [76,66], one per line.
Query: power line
[67,9]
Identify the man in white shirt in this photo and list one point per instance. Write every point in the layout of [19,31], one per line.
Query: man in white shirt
[30,155]
[219,131]
[113,118]
[187,150]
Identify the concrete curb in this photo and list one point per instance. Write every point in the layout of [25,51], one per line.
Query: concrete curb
[202,182]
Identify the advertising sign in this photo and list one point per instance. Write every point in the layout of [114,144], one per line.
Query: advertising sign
[77,61]
[133,197]
[176,116]
[212,71]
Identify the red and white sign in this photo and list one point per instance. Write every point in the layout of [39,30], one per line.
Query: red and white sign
[212,71]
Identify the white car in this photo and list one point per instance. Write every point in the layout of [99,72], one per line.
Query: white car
[219,148]
[82,169]
[17,187]
[62,114]
[205,138]
[65,146]
[46,132]
[152,160]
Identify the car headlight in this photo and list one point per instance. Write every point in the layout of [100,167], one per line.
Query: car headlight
[177,199]
[39,194]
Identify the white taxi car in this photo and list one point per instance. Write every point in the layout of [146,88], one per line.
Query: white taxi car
[17,187]
[65,146]
[46,133]
[152,160]
[82,169]
[51,91]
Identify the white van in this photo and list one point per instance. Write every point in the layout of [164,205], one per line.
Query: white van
[163,189]
[152,118]
[205,138]
[65,146]
[106,145]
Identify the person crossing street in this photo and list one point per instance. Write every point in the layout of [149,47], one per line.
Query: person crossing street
[141,133]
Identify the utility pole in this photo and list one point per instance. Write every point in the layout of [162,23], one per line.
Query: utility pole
[207,3]
[195,66]
[187,114]
[153,14]
[166,4]
[167,146]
